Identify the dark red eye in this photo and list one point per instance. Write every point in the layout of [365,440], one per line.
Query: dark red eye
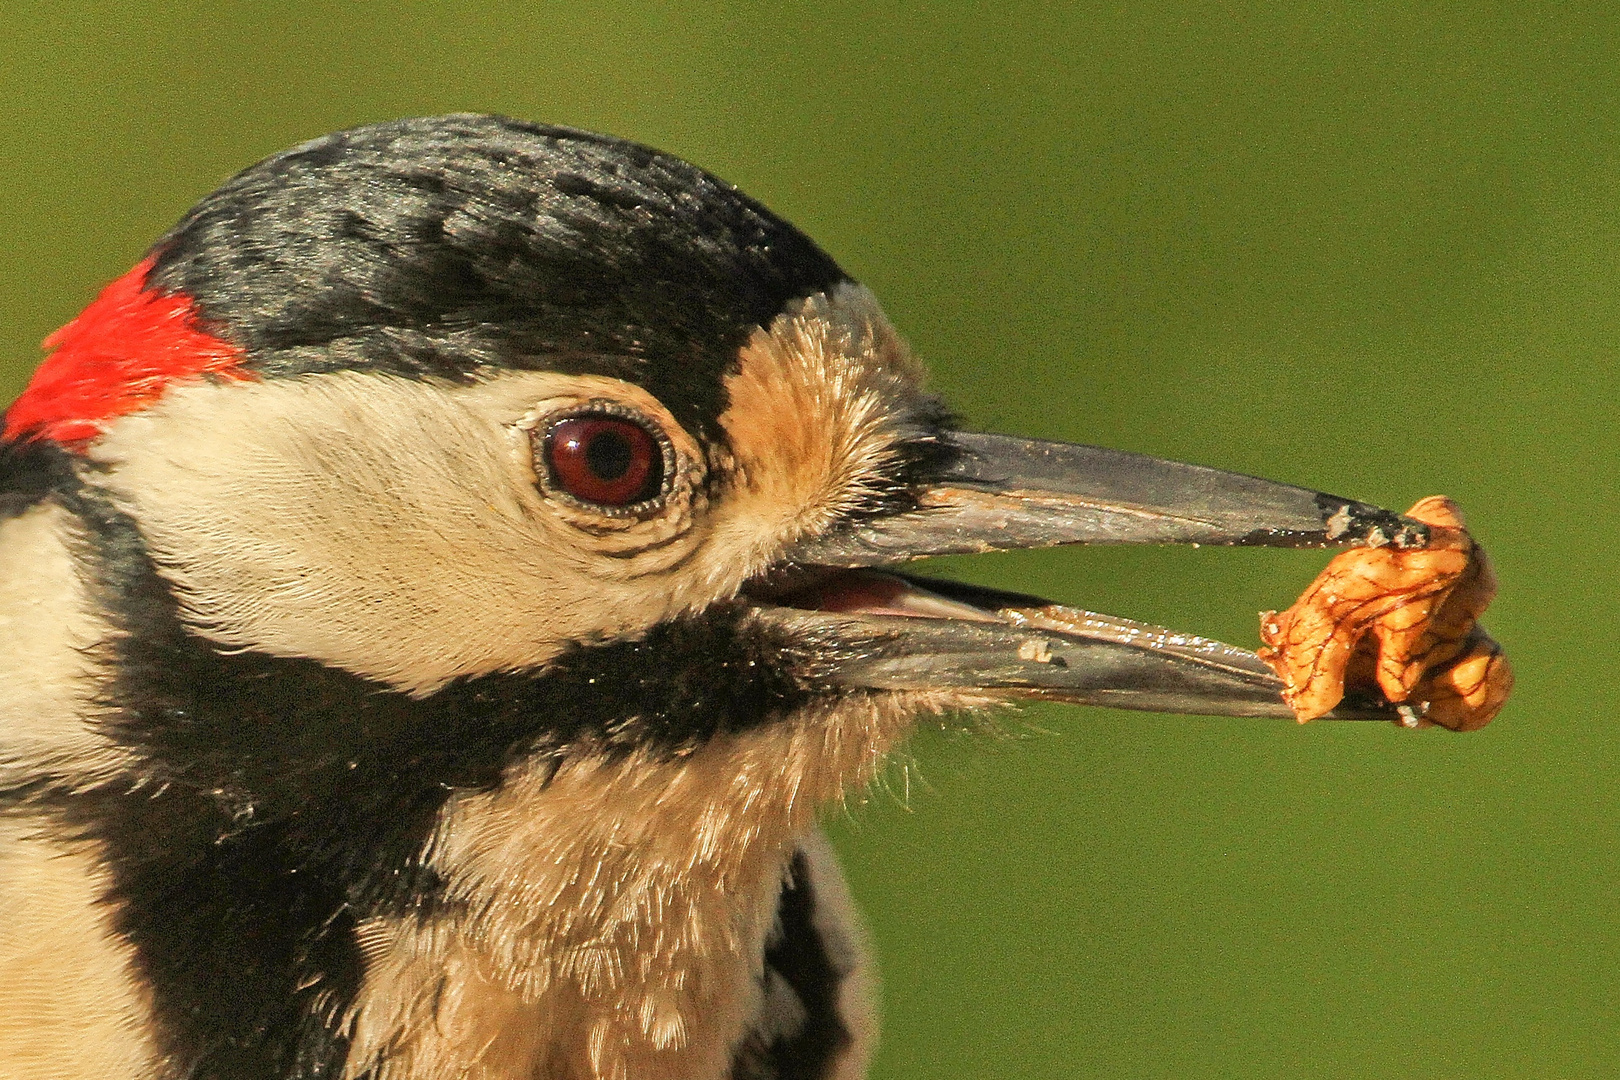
[605,460]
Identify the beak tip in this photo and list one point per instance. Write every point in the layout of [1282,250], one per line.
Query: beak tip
[1357,524]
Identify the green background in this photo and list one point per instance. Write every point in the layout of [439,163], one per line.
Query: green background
[1367,248]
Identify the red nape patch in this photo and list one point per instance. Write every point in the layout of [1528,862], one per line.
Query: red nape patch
[116,358]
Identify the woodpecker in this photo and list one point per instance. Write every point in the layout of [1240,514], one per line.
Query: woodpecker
[440,585]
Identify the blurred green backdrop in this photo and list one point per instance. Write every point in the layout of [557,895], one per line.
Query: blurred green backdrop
[1371,248]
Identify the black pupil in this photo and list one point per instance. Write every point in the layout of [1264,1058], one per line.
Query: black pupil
[608,454]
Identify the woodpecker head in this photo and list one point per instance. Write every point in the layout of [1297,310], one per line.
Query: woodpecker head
[477,523]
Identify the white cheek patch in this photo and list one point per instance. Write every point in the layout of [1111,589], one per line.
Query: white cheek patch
[387,527]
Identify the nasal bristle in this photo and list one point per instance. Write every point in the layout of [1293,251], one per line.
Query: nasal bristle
[116,358]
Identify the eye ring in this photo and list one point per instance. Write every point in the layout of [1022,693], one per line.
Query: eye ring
[606,458]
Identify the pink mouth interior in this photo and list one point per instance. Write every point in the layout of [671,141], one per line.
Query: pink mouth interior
[871,592]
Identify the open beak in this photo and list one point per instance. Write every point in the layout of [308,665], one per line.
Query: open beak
[894,632]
